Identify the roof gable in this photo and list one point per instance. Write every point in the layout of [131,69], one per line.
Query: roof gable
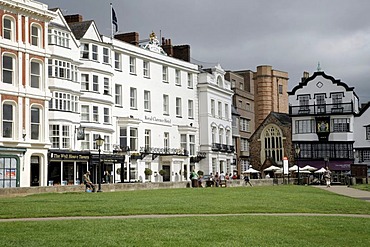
[85,30]
[317,74]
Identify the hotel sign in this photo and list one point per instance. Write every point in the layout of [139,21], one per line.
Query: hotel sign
[158,120]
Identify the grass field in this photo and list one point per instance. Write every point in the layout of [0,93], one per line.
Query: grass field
[198,229]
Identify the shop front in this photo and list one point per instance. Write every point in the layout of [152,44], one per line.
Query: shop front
[67,168]
[10,163]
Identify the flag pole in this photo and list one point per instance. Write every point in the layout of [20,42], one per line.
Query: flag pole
[111,20]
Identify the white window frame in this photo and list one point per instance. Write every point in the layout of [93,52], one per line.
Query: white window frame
[94,52]
[177,77]
[95,82]
[66,139]
[85,113]
[118,94]
[244,124]
[227,114]
[95,113]
[36,35]
[178,107]
[166,106]
[85,143]
[147,139]
[147,103]
[117,61]
[106,115]
[165,74]
[8,70]
[8,120]
[213,114]
[85,51]
[106,86]
[8,32]
[190,80]
[191,144]
[106,55]
[190,109]
[36,122]
[146,69]
[133,98]
[133,65]
[85,84]
[166,140]
[36,76]
[219,109]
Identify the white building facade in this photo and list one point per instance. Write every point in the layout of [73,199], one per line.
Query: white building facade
[155,111]
[215,122]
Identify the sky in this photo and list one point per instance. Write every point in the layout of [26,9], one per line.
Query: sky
[290,35]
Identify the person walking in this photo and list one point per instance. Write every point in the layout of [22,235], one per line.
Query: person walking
[327,177]
[247,180]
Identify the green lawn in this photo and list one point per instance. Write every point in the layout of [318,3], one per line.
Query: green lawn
[199,230]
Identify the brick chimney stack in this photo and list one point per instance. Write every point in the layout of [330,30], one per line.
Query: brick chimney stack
[182,52]
[73,18]
[179,51]
[305,76]
[167,46]
[132,38]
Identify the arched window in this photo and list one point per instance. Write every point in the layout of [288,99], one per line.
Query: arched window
[272,143]
[8,68]
[8,120]
[8,28]
[220,82]
[36,78]
[213,135]
[36,36]
[221,135]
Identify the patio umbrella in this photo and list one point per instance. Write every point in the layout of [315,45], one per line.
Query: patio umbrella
[279,171]
[271,168]
[321,170]
[293,168]
[309,168]
[303,171]
[251,170]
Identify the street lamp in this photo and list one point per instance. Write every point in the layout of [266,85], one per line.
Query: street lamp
[297,151]
[99,142]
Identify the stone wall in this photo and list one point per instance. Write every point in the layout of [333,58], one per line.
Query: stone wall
[22,191]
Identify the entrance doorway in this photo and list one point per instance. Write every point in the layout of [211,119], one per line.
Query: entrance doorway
[167,175]
[35,171]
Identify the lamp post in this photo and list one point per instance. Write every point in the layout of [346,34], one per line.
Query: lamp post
[297,151]
[99,142]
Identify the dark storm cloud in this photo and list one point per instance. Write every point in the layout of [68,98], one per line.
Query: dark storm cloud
[290,35]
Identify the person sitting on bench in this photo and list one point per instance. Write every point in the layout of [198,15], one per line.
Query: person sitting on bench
[87,182]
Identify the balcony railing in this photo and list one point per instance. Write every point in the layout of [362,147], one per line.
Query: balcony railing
[344,108]
[223,148]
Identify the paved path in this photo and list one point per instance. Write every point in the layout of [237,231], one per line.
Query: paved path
[348,191]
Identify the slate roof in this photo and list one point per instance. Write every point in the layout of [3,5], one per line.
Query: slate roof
[282,117]
[79,28]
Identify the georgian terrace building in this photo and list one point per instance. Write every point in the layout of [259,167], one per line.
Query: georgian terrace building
[140,100]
